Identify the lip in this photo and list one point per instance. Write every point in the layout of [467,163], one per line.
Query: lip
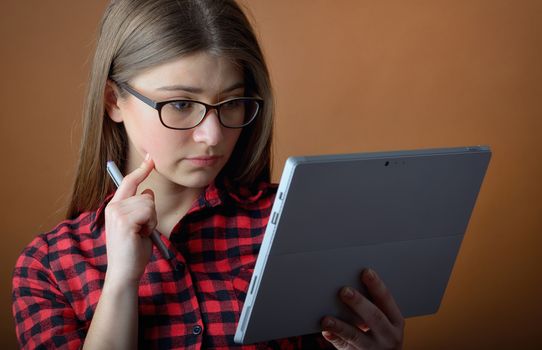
[204,160]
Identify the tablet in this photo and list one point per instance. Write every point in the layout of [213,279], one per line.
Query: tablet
[403,214]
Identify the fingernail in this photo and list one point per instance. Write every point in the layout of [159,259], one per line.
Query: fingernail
[370,274]
[147,157]
[329,323]
[364,327]
[328,335]
[347,292]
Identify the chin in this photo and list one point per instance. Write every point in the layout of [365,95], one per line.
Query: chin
[196,180]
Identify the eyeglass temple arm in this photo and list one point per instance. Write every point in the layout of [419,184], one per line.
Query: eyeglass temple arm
[139,96]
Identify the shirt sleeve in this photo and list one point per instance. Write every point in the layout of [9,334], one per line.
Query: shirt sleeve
[43,317]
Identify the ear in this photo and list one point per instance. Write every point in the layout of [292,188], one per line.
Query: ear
[111,101]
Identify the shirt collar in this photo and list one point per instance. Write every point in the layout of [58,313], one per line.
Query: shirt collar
[211,197]
[214,195]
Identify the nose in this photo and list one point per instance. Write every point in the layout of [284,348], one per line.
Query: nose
[210,129]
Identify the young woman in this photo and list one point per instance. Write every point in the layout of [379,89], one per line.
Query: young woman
[179,97]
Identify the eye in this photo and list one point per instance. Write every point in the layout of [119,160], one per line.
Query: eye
[182,105]
[232,104]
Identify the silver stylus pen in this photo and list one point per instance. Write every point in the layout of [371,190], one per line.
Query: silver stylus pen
[117,177]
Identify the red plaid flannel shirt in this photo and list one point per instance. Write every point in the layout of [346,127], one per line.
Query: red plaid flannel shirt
[58,279]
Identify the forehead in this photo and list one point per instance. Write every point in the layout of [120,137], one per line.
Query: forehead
[207,72]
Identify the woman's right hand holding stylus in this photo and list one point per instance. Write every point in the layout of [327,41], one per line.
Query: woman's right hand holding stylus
[130,218]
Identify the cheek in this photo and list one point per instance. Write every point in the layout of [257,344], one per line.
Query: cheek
[147,135]
[152,146]
[164,144]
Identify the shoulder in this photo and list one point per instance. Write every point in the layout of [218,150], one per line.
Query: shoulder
[50,284]
[69,235]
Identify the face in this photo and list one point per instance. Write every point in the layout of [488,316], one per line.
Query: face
[190,158]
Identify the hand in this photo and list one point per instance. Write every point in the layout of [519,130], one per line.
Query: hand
[129,221]
[384,324]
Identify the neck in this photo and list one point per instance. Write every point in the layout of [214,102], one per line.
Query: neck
[172,200]
[172,207]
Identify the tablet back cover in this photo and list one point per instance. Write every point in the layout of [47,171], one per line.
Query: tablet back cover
[403,214]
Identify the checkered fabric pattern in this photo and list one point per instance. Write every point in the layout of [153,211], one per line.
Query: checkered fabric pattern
[58,278]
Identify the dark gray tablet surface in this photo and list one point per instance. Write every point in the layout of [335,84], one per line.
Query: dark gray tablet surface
[403,214]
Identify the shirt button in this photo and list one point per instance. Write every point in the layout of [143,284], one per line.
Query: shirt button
[179,266]
[196,329]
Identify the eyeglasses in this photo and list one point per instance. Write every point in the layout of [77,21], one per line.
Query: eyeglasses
[187,114]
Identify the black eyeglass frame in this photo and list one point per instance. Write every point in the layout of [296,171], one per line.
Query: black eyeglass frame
[208,107]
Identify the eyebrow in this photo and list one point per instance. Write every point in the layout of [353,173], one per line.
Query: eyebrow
[196,90]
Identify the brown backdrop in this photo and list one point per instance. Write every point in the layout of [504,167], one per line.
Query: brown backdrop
[349,76]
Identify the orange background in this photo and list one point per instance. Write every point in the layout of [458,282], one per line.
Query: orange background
[349,76]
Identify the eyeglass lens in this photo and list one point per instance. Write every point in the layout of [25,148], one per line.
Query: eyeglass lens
[188,114]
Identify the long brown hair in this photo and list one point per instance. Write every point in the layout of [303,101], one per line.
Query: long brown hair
[139,34]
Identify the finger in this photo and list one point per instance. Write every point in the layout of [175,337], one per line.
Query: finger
[148,192]
[344,335]
[151,223]
[128,186]
[137,210]
[382,297]
[376,320]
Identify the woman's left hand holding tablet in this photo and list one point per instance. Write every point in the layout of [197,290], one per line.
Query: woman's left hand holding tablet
[384,324]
